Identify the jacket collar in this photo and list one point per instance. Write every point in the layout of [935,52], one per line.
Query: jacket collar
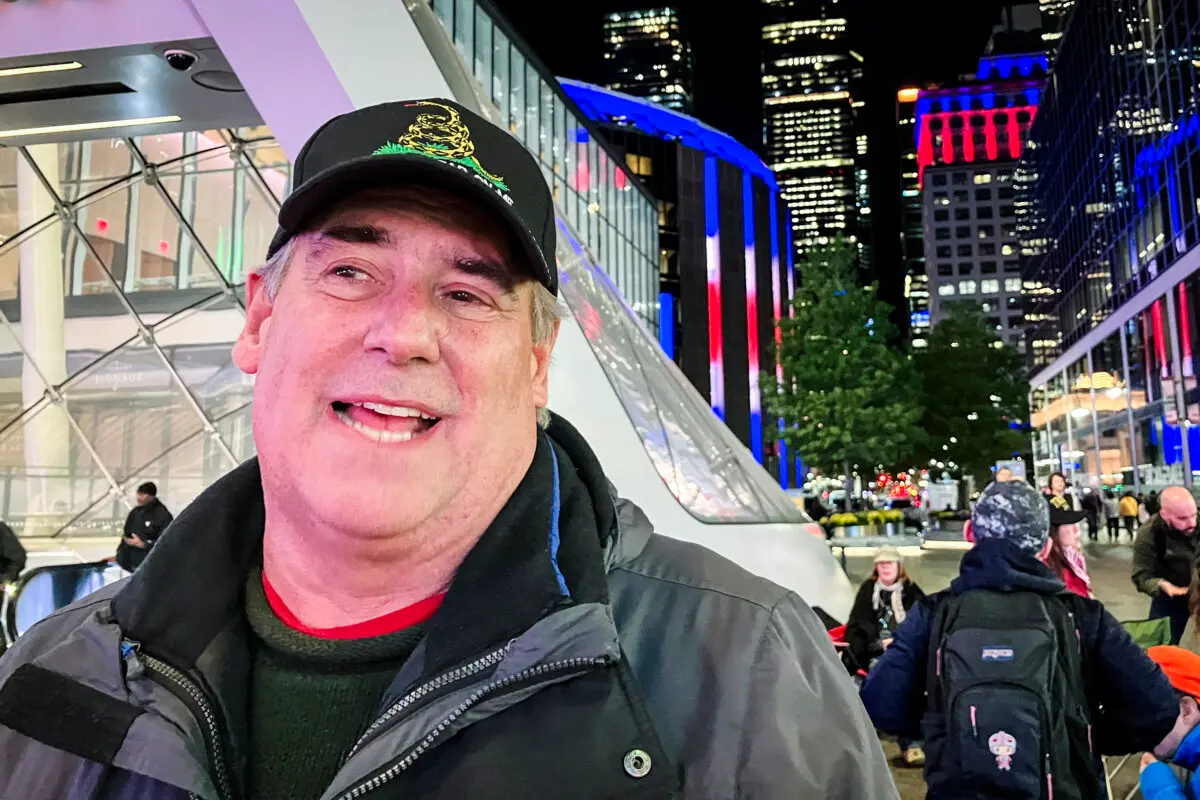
[544,550]
[1000,565]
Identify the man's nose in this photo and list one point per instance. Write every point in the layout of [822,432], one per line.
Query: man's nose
[408,327]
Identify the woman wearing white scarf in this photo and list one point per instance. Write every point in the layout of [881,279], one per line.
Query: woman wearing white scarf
[882,605]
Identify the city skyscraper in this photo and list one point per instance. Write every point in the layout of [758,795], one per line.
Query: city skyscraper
[646,55]
[912,231]
[1054,20]
[810,76]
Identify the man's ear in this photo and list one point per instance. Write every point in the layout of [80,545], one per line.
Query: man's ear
[247,350]
[539,365]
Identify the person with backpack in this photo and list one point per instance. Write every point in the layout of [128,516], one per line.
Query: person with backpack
[1162,558]
[1017,686]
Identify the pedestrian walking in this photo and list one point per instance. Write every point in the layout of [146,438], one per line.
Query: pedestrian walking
[1112,516]
[1092,506]
[1163,555]
[991,672]
[1129,507]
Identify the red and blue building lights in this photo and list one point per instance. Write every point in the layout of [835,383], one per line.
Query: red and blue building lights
[756,431]
[957,115]
[712,252]
[777,309]
[710,153]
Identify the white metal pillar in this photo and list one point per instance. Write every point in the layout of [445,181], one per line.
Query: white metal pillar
[47,433]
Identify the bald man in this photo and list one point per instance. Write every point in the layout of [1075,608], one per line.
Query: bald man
[1162,558]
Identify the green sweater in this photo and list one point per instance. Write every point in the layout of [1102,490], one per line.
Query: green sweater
[310,699]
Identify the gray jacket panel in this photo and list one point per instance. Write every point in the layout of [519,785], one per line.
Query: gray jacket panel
[739,676]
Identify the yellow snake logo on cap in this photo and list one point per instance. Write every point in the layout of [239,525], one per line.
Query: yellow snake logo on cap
[441,136]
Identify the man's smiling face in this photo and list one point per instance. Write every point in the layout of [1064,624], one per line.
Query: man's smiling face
[397,375]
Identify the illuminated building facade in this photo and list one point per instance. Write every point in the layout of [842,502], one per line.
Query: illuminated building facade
[969,140]
[810,76]
[725,268]
[1114,173]
[646,55]
[912,230]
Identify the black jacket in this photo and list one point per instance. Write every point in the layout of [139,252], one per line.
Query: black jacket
[575,655]
[1133,706]
[12,555]
[147,522]
[863,627]
[1161,553]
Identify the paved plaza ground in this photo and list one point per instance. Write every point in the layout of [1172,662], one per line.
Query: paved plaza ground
[934,569]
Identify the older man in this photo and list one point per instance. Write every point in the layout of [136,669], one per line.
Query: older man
[416,590]
[1163,554]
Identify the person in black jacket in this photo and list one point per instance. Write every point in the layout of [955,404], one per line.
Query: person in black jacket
[1163,554]
[880,607]
[1132,707]
[145,523]
[12,555]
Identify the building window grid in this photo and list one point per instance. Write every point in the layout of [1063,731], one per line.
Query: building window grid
[538,117]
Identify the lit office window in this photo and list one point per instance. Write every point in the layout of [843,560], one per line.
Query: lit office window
[966,287]
[946,290]
[989,286]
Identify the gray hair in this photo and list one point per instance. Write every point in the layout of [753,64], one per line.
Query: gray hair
[546,309]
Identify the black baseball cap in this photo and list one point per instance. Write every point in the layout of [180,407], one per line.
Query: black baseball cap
[435,143]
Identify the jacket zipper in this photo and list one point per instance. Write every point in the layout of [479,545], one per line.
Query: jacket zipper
[178,683]
[482,693]
[426,689]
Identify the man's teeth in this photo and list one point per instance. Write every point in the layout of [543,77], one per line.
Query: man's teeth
[394,411]
[375,434]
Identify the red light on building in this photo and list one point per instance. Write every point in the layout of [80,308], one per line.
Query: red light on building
[101,225]
[164,246]
[619,179]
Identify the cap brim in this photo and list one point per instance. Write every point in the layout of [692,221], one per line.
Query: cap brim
[319,193]
[1061,517]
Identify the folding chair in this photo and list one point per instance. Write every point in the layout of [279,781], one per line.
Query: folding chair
[1147,633]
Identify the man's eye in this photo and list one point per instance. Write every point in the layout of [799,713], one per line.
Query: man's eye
[348,272]
[462,296]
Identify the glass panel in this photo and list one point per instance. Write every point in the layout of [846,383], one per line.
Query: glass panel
[48,473]
[464,28]
[237,431]
[699,460]
[559,145]
[532,104]
[483,50]
[546,134]
[445,11]
[199,344]
[516,97]
[130,408]
[500,74]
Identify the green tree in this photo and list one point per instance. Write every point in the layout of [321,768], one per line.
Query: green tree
[974,390]
[847,398]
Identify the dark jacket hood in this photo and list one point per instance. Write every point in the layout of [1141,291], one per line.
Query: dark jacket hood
[999,565]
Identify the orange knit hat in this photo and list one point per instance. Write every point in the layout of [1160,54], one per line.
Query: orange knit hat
[1182,667]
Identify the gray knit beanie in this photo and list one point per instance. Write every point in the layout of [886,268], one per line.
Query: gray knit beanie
[1012,510]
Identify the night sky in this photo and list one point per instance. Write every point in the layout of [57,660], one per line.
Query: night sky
[906,42]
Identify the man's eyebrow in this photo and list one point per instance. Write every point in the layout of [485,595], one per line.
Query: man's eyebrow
[352,234]
[491,271]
